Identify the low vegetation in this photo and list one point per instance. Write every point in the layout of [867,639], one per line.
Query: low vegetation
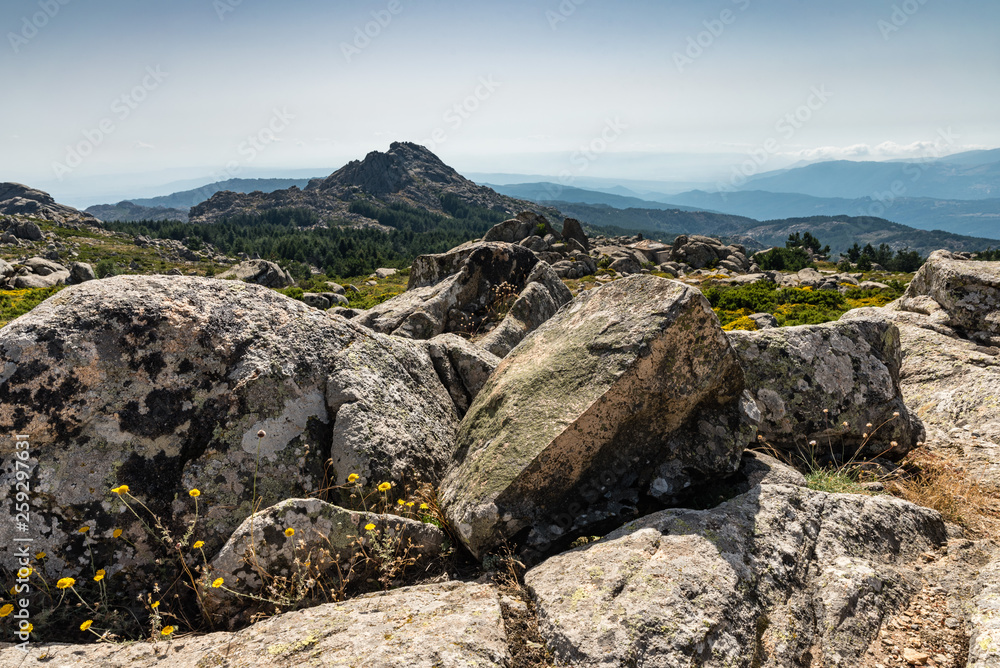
[792,306]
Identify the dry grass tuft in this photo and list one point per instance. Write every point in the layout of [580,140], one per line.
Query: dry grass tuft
[938,482]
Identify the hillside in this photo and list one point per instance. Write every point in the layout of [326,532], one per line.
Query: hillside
[407,174]
[133,211]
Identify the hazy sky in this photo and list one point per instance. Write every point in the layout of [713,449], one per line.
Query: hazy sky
[146,91]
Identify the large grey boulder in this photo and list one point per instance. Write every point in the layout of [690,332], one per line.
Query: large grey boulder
[81,272]
[952,383]
[26,230]
[524,225]
[572,229]
[260,272]
[462,366]
[449,625]
[809,380]
[327,545]
[163,384]
[39,272]
[968,291]
[631,389]
[778,576]
[489,274]
[540,300]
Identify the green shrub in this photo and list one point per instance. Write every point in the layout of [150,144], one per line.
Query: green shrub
[105,268]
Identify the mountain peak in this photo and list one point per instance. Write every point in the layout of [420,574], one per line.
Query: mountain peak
[403,166]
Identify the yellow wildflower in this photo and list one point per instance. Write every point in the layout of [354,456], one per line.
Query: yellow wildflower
[400,502]
[121,489]
[65,583]
[369,527]
[99,575]
[198,544]
[218,583]
[116,533]
[409,504]
[155,605]
[27,629]
[25,572]
[385,487]
[289,532]
[167,630]
[194,493]
[6,610]
[84,529]
[424,506]
[40,556]
[352,478]
[86,624]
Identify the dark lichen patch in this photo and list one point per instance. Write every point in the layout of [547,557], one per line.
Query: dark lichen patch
[185,367]
[158,477]
[152,363]
[163,414]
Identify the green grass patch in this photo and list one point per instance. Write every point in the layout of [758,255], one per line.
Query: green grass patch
[15,303]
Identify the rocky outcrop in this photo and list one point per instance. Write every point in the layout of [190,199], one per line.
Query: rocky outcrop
[572,229]
[405,174]
[450,625]
[36,272]
[163,384]
[778,576]
[631,389]
[260,272]
[327,544]
[699,252]
[526,224]
[967,291]
[809,380]
[20,200]
[490,278]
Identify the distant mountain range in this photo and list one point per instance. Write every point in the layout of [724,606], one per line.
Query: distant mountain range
[411,175]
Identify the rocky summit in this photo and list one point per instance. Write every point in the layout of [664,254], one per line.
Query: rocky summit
[405,174]
[502,465]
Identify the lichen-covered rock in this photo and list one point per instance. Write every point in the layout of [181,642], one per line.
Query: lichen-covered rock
[450,625]
[631,387]
[260,272]
[968,291]
[848,369]
[462,366]
[778,576]
[162,384]
[325,546]
[489,275]
[952,384]
[984,618]
[524,225]
[544,295]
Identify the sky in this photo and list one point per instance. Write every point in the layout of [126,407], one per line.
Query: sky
[135,96]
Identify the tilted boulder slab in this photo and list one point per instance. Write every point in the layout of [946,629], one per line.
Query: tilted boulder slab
[968,291]
[631,386]
[449,625]
[809,380]
[778,576]
[463,368]
[163,384]
[325,546]
[489,274]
